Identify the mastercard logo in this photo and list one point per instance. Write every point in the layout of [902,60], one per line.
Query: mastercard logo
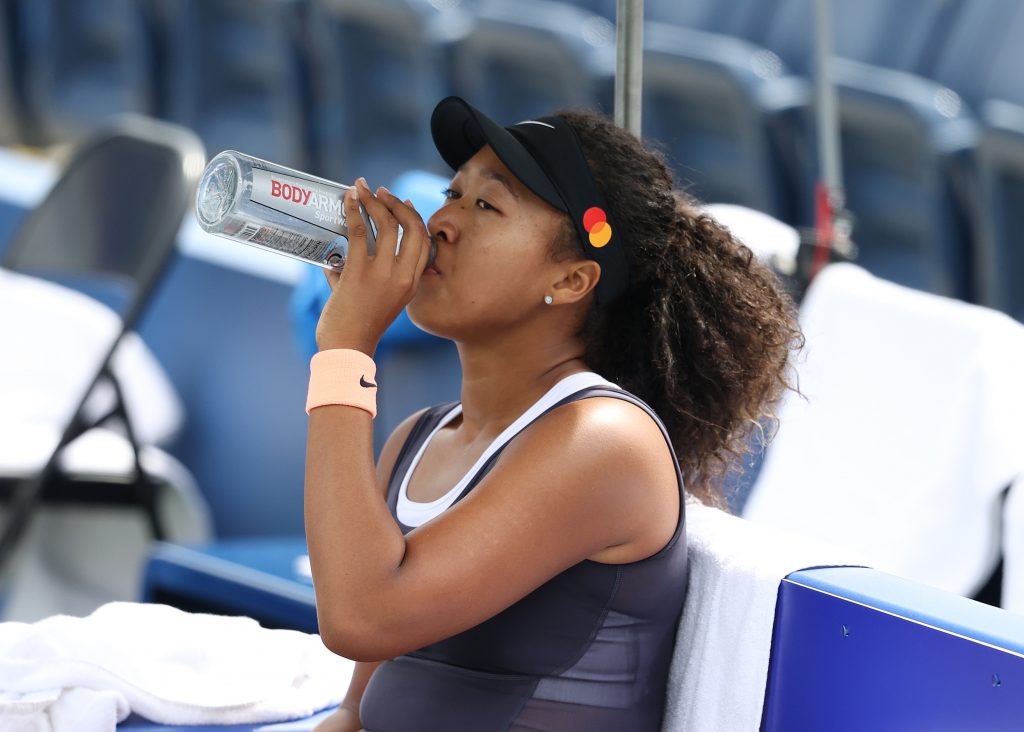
[595,221]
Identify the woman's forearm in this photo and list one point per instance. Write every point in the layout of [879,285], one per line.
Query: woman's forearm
[355,546]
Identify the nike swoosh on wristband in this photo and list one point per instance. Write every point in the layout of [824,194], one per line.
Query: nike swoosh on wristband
[367,384]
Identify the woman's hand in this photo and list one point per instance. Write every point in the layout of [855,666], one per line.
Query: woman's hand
[370,292]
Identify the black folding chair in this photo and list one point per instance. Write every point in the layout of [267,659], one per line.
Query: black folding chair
[108,226]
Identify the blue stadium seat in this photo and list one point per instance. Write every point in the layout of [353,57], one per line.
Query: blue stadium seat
[894,35]
[84,61]
[1002,78]
[704,94]
[235,76]
[246,453]
[159,17]
[377,73]
[705,97]
[999,213]
[10,218]
[742,18]
[10,126]
[530,58]
[901,136]
[981,62]
[983,54]
[735,17]
[262,578]
[606,8]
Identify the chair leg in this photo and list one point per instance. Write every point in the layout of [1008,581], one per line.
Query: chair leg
[146,488]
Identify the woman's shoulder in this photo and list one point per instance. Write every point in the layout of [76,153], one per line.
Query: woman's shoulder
[603,457]
[606,428]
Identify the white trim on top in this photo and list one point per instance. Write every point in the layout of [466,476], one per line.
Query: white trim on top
[416,513]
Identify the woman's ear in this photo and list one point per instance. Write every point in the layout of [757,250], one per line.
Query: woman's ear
[580,278]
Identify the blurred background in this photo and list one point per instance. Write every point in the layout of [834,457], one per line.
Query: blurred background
[931,127]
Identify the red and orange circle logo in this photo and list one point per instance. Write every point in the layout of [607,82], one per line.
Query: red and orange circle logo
[595,221]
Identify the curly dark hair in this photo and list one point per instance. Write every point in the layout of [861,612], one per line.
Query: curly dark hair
[705,331]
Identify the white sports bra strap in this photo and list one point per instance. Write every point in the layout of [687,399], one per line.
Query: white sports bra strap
[414,513]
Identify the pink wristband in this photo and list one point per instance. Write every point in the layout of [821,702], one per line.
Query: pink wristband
[342,376]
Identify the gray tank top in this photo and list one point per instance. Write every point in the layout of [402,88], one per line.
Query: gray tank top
[588,650]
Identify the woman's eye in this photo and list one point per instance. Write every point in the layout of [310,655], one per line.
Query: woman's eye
[451,194]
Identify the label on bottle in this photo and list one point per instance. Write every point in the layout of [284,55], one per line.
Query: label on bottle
[310,201]
[286,242]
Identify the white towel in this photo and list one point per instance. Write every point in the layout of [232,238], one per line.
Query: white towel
[61,709]
[72,561]
[54,339]
[773,242]
[169,666]
[720,662]
[911,429]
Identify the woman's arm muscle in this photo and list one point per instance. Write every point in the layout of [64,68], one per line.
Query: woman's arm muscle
[589,475]
[348,714]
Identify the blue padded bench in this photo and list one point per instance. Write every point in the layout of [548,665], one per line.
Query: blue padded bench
[853,649]
[857,649]
[253,577]
[135,723]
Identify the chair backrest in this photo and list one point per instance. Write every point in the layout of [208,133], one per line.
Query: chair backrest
[998,192]
[10,128]
[84,60]
[377,71]
[112,218]
[981,61]
[607,8]
[703,104]
[1002,79]
[982,57]
[881,32]
[899,134]
[234,76]
[742,18]
[529,58]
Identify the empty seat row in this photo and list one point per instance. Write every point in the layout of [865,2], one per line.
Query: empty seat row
[928,100]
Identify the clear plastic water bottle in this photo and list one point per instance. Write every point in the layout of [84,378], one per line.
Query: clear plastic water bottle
[278,209]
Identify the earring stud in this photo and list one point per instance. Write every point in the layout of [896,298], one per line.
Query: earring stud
[548,299]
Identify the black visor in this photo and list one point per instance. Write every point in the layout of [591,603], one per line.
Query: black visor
[546,156]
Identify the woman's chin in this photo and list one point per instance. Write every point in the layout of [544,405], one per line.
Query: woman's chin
[424,322]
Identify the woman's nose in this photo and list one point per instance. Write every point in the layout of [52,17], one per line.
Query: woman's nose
[441,226]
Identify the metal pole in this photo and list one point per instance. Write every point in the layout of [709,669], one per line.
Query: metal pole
[831,171]
[629,63]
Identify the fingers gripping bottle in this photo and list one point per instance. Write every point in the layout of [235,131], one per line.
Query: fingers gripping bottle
[279,209]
